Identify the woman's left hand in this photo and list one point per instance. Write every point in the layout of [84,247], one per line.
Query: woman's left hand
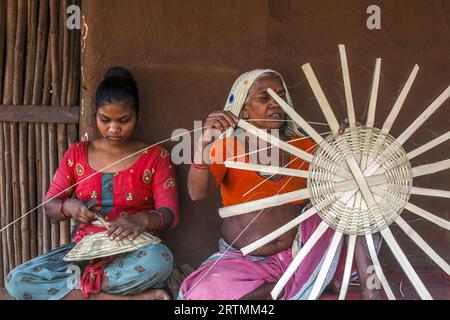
[130,226]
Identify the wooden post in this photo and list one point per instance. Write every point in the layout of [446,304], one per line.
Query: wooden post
[11,20]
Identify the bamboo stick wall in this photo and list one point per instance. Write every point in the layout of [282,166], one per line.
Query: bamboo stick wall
[39,65]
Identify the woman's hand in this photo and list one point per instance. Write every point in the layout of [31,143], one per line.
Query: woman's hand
[218,120]
[130,226]
[345,124]
[78,211]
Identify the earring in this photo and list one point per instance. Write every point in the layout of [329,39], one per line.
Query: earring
[245,114]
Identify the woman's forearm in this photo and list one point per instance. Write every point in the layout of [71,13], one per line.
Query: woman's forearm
[198,176]
[53,210]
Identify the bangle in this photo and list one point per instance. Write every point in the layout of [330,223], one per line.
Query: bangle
[161,217]
[61,209]
[200,166]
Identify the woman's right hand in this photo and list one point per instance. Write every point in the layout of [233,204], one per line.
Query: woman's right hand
[78,211]
[218,120]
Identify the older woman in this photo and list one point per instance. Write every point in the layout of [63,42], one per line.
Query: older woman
[228,274]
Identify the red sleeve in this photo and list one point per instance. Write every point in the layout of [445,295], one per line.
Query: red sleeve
[64,178]
[164,186]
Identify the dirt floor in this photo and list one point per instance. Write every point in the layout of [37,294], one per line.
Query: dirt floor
[3,295]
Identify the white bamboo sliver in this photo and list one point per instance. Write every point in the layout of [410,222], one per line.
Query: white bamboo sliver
[374,94]
[268,202]
[331,252]
[278,232]
[441,139]
[400,101]
[422,244]
[427,215]
[267,169]
[348,266]
[406,266]
[321,98]
[431,168]
[424,116]
[275,141]
[347,87]
[305,126]
[430,192]
[378,270]
[376,263]
[361,181]
[321,229]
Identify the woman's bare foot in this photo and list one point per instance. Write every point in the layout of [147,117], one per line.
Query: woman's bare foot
[334,287]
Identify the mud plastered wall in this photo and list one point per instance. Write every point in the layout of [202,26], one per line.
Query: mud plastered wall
[186,54]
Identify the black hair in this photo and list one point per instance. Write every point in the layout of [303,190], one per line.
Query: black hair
[118,86]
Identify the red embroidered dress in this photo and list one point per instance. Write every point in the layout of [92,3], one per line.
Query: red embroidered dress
[148,184]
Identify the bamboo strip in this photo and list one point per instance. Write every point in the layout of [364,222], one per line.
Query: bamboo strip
[348,266]
[378,270]
[321,98]
[435,142]
[423,245]
[273,201]
[278,232]
[430,192]
[374,94]
[427,215]
[275,141]
[400,101]
[430,168]
[406,266]
[267,169]
[331,252]
[318,233]
[347,87]
[424,116]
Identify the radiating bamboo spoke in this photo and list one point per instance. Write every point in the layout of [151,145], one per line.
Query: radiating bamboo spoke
[278,232]
[423,245]
[321,229]
[332,249]
[406,266]
[435,142]
[348,266]
[427,215]
[267,169]
[347,87]
[321,98]
[430,192]
[262,134]
[378,270]
[400,101]
[373,98]
[431,168]
[424,116]
[256,205]
[282,144]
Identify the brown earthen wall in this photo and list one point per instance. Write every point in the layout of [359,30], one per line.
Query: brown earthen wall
[185,55]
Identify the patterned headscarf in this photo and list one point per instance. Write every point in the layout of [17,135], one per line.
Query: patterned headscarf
[239,92]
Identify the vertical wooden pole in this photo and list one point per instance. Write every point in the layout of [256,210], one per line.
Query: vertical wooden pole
[54,131]
[19,162]
[41,53]
[11,20]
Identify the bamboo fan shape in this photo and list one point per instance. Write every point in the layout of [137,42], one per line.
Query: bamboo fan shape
[359,183]
[98,245]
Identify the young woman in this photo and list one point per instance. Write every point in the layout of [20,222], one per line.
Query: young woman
[228,274]
[134,189]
